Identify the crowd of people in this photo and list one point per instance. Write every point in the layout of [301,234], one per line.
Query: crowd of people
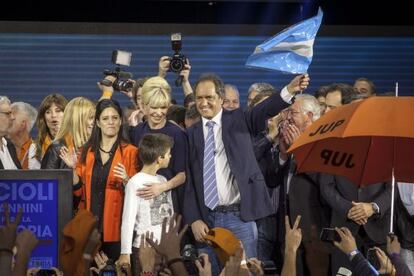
[138,169]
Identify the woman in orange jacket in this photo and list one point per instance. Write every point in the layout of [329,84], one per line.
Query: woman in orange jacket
[102,170]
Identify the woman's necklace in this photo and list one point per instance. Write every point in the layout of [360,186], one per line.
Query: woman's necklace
[107,152]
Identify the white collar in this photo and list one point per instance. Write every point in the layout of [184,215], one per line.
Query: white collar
[216,119]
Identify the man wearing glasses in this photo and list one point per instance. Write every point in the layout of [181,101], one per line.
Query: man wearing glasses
[8,156]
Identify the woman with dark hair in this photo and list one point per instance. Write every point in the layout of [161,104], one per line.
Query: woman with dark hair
[105,165]
[48,123]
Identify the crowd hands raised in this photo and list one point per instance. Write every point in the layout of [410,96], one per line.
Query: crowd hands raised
[80,133]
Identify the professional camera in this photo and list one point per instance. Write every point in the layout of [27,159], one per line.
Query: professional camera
[122,81]
[189,255]
[177,61]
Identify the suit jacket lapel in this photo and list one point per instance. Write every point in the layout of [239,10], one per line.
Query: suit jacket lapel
[199,142]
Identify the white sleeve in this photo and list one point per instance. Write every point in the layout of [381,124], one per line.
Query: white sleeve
[131,203]
[34,164]
[285,95]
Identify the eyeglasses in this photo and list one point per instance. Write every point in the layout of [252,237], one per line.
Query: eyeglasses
[8,114]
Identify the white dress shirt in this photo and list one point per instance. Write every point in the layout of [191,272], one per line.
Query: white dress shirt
[407,196]
[5,156]
[228,191]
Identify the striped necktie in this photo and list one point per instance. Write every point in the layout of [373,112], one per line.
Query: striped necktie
[209,169]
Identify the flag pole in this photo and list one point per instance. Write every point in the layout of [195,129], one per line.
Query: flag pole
[396,89]
[392,202]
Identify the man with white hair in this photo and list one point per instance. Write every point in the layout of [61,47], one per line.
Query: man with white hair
[24,118]
[300,194]
[8,156]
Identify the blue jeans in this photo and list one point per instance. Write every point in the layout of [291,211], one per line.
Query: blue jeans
[246,232]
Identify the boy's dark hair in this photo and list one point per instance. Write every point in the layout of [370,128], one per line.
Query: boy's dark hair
[153,146]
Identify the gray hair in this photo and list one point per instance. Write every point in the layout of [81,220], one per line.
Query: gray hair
[231,86]
[29,110]
[309,104]
[4,99]
[261,87]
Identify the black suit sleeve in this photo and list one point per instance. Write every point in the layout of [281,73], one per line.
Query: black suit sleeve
[331,195]
[256,117]
[383,200]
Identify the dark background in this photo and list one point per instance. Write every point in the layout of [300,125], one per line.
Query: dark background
[282,12]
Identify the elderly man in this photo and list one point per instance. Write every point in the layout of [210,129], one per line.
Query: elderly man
[300,192]
[24,118]
[8,156]
[231,97]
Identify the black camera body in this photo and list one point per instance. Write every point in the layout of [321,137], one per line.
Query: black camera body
[122,78]
[189,255]
[177,63]
[178,60]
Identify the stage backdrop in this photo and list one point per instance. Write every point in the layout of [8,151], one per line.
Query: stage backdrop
[34,65]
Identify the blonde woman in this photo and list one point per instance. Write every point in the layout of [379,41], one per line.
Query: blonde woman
[156,98]
[76,128]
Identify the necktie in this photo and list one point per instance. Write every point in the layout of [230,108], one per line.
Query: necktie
[209,169]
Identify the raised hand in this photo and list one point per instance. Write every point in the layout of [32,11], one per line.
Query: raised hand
[205,268]
[298,84]
[69,157]
[347,243]
[163,66]
[146,252]
[293,235]
[386,266]
[8,232]
[169,245]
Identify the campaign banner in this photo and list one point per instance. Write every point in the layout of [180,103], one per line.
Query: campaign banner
[38,198]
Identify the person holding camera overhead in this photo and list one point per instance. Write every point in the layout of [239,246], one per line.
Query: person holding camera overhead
[156,99]
[105,165]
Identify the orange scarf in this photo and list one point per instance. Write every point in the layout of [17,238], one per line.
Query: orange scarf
[24,154]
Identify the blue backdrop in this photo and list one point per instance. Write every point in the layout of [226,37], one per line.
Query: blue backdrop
[35,65]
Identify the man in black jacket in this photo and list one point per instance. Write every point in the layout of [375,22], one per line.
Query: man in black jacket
[299,192]
[8,156]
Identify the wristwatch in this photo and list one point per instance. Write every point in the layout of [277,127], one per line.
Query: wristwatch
[375,208]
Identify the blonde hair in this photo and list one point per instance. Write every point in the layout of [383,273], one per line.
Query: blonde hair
[156,92]
[74,122]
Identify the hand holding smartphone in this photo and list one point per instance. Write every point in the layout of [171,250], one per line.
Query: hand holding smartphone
[329,235]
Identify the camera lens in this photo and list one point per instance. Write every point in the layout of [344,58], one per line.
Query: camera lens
[176,65]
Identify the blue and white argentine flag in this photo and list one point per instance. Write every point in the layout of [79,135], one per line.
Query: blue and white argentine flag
[290,50]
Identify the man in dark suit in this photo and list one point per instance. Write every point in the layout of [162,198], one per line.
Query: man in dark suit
[364,211]
[300,193]
[8,155]
[225,187]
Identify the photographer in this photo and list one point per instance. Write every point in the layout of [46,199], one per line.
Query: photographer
[164,67]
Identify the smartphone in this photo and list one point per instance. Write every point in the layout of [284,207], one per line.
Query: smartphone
[46,272]
[329,235]
[373,259]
